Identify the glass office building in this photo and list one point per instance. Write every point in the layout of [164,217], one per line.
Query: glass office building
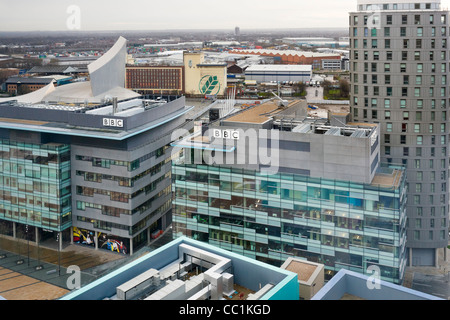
[35,187]
[273,217]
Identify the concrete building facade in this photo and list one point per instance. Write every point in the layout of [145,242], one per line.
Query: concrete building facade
[204,79]
[399,78]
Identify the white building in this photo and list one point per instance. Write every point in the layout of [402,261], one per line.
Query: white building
[279,73]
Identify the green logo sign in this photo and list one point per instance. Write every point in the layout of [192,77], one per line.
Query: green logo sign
[209,85]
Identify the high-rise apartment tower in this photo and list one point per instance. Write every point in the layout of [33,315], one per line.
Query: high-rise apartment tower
[400,63]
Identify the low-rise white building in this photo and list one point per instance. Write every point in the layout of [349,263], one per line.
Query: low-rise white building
[279,73]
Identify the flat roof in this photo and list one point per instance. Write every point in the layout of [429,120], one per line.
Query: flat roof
[258,114]
[304,270]
[279,67]
[388,180]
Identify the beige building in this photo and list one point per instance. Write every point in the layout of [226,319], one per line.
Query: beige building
[310,276]
[204,79]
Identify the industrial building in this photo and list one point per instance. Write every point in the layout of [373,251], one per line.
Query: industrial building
[399,78]
[96,172]
[186,269]
[193,75]
[291,56]
[269,183]
[279,73]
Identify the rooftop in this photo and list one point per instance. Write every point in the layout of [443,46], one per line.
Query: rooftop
[187,269]
[306,54]
[279,67]
[350,285]
[104,121]
[258,114]
[303,268]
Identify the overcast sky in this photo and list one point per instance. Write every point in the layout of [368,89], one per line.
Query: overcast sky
[44,15]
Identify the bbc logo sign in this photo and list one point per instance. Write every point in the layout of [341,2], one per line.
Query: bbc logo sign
[226,134]
[118,123]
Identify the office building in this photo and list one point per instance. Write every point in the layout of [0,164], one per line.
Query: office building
[269,183]
[147,79]
[185,269]
[23,85]
[96,172]
[399,78]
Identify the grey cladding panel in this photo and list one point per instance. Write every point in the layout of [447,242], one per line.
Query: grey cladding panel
[287,145]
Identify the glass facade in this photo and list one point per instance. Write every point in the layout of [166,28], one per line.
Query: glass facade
[35,184]
[272,217]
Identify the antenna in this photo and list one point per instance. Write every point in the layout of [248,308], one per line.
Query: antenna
[282,103]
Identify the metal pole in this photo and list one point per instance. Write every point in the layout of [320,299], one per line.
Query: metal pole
[59,258]
[28,244]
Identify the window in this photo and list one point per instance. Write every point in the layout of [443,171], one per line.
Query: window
[402,139]
[406,152]
[405,44]
[420,32]
[404,127]
[418,80]
[388,19]
[389,127]
[417,55]
[405,79]
[402,32]
[416,19]
[416,128]
[404,19]
[419,140]
[418,43]
[419,68]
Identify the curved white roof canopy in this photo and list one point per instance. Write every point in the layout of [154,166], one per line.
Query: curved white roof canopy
[108,71]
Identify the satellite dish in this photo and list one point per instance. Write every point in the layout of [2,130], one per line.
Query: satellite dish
[108,99]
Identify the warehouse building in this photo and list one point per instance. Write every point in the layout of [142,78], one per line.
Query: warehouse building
[279,73]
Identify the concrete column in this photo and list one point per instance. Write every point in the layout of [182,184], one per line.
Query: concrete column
[436,258]
[96,240]
[71,235]
[60,241]
[14,230]
[36,231]
[410,257]
[131,246]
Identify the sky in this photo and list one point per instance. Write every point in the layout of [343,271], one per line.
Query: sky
[102,15]
[94,15]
